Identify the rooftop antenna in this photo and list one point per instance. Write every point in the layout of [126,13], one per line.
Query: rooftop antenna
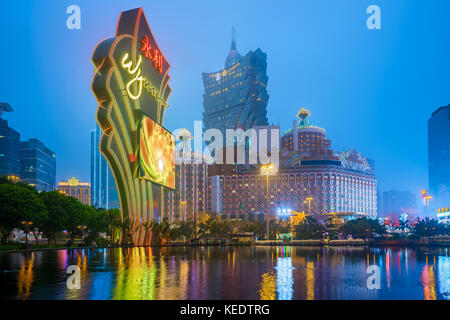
[5,107]
[233,38]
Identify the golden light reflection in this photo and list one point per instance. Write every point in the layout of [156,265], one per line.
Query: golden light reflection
[428,280]
[268,289]
[25,278]
[310,280]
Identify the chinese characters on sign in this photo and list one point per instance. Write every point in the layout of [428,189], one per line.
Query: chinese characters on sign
[152,54]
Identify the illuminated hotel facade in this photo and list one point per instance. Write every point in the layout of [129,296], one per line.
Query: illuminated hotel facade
[76,189]
[190,195]
[333,182]
[236,96]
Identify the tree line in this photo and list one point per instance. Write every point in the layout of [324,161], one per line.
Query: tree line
[50,213]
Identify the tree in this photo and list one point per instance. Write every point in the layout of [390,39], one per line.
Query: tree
[258,228]
[429,227]
[161,231]
[17,204]
[363,228]
[56,205]
[214,228]
[76,217]
[183,229]
[112,218]
[310,228]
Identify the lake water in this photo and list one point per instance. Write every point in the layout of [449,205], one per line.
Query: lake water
[240,273]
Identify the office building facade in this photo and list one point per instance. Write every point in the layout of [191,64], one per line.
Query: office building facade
[38,165]
[439,157]
[9,146]
[103,187]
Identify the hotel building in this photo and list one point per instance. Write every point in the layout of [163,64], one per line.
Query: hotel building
[236,96]
[312,179]
[189,198]
[74,188]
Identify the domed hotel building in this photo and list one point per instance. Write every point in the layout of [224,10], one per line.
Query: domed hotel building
[312,178]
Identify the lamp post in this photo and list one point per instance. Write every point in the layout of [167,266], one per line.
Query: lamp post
[308,200]
[183,205]
[27,224]
[426,198]
[267,168]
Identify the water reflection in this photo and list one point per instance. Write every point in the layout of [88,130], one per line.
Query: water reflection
[282,273]
[25,277]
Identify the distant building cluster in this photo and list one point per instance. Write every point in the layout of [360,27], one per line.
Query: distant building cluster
[28,161]
[311,177]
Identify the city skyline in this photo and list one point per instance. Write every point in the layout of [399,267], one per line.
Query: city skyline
[323,77]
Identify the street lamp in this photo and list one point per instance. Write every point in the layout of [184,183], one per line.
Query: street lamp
[426,198]
[308,200]
[27,224]
[267,168]
[183,205]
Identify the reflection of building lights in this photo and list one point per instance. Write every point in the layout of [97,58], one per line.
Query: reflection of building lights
[444,276]
[285,280]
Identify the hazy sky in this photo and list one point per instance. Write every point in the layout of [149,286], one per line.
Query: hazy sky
[372,90]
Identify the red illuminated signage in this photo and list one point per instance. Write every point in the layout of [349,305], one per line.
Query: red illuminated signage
[152,54]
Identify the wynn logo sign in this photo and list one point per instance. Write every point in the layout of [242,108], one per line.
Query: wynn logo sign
[131,87]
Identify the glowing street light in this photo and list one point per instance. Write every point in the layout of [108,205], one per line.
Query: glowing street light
[27,224]
[267,168]
[308,200]
[426,199]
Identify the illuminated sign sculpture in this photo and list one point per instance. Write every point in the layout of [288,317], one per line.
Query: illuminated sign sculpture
[131,87]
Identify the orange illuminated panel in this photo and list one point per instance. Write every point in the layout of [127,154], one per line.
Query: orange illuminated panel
[156,153]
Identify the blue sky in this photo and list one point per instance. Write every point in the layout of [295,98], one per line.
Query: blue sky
[372,90]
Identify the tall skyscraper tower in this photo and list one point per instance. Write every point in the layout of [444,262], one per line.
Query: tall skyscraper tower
[236,96]
[103,187]
[9,146]
[439,157]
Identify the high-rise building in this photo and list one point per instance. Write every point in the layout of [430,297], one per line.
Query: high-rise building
[74,188]
[236,96]
[398,203]
[9,146]
[439,157]
[103,187]
[189,198]
[37,164]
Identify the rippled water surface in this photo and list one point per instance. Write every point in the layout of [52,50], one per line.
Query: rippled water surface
[228,273]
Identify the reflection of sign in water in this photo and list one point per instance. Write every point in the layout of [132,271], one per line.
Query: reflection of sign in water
[156,154]
[285,280]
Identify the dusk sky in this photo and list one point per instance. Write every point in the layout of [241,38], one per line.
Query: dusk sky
[372,90]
